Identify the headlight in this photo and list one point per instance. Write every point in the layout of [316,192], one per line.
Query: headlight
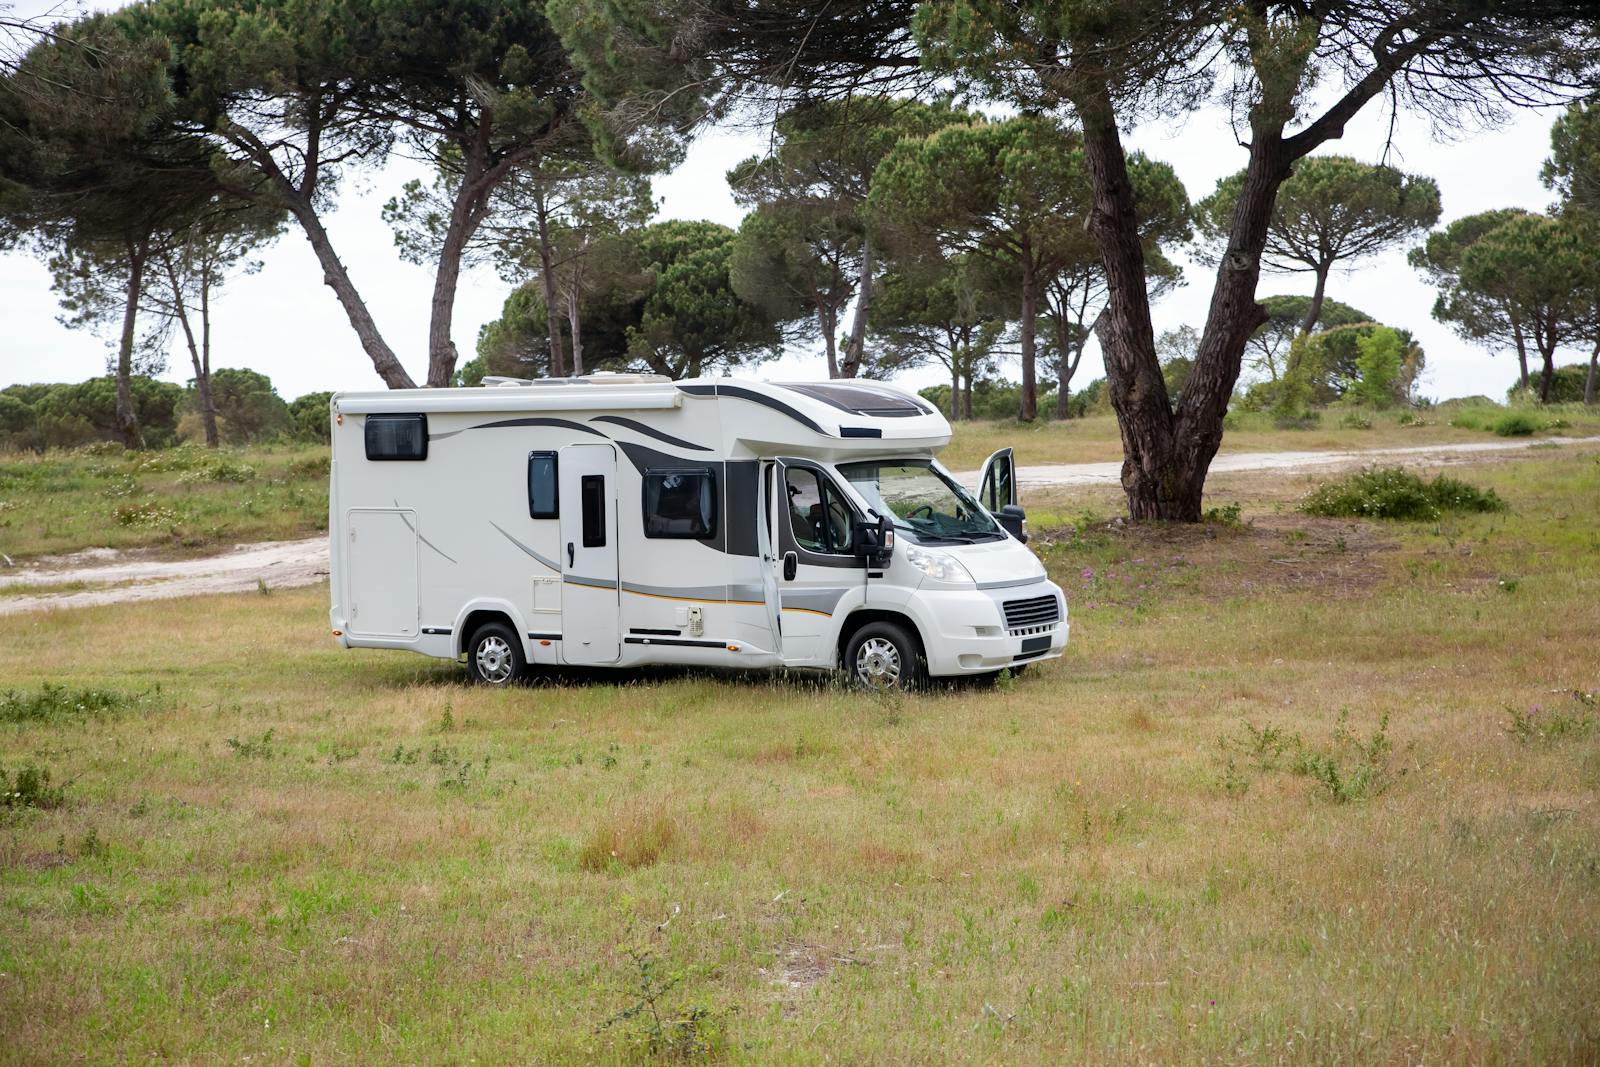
[939,566]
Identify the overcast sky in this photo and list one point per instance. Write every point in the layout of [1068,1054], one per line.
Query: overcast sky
[285,323]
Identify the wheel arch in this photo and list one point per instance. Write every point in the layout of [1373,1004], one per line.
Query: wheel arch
[479,612]
[862,616]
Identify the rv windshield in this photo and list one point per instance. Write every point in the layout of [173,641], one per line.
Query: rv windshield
[921,501]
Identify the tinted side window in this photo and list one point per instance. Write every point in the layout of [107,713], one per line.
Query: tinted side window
[680,504]
[543,499]
[397,436]
[805,509]
[592,487]
[818,516]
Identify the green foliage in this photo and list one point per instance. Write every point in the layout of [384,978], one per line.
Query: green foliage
[1378,368]
[1516,424]
[253,747]
[658,1031]
[1332,209]
[1268,347]
[1349,769]
[29,787]
[1576,719]
[691,321]
[248,407]
[1573,169]
[1392,493]
[1566,386]
[52,704]
[309,417]
[67,415]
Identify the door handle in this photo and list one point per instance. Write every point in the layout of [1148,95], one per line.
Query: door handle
[572,554]
[791,564]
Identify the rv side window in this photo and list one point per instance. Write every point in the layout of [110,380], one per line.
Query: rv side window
[818,516]
[680,503]
[592,487]
[543,502]
[397,436]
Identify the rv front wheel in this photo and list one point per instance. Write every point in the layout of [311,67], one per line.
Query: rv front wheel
[494,655]
[883,655]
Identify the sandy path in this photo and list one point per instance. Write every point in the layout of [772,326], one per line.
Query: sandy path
[285,564]
[280,564]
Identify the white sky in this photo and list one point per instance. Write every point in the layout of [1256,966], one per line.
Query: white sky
[285,323]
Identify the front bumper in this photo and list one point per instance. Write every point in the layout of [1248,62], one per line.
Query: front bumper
[965,631]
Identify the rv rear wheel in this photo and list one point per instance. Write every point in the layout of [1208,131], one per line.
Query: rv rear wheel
[884,655]
[494,655]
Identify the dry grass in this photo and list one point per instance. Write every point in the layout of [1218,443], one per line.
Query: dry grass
[1070,868]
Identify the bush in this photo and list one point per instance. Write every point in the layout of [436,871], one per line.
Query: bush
[1391,493]
[1516,424]
[1355,420]
[30,787]
[1566,386]
[310,416]
[58,703]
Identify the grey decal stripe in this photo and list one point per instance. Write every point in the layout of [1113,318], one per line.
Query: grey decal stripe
[566,424]
[1012,583]
[650,431]
[674,642]
[592,583]
[820,600]
[721,594]
[424,540]
[544,637]
[755,398]
[547,562]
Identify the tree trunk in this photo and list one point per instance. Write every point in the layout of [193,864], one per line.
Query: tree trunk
[1548,354]
[966,394]
[827,322]
[442,353]
[558,359]
[1522,351]
[1314,312]
[573,315]
[337,278]
[1028,409]
[208,404]
[855,349]
[1589,379]
[202,377]
[955,388]
[127,417]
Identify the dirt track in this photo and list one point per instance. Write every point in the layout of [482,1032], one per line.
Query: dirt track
[119,577]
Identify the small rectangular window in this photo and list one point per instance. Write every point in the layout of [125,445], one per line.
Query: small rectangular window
[543,498]
[592,487]
[397,436]
[680,503]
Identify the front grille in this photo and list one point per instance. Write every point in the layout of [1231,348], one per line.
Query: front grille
[1032,613]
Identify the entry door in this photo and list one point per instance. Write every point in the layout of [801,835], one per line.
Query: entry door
[998,487]
[590,616]
[814,529]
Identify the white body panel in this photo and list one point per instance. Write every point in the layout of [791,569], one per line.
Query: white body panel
[423,551]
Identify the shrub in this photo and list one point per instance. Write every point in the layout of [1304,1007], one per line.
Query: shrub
[1355,420]
[30,788]
[1516,424]
[1391,493]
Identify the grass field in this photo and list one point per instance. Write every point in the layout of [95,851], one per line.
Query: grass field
[180,500]
[1302,790]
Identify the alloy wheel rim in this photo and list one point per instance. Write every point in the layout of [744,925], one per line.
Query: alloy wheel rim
[878,663]
[494,661]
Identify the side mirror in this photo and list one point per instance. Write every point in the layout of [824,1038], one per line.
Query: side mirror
[875,541]
[1014,521]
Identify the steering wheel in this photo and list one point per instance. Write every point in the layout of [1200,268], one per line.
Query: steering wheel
[921,507]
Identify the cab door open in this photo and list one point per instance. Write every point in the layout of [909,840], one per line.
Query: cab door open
[997,492]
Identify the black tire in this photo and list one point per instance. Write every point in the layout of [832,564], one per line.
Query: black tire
[494,656]
[884,656]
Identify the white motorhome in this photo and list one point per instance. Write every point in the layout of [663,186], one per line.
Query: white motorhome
[622,520]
